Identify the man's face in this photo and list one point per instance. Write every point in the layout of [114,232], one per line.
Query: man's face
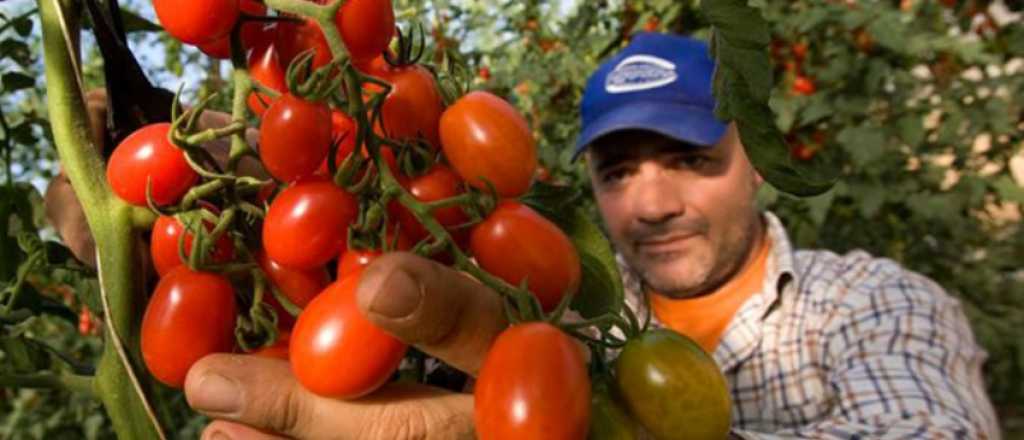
[684,217]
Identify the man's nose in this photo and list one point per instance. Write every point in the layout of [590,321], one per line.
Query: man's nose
[657,198]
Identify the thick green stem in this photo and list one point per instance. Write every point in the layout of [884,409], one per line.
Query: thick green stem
[66,382]
[121,380]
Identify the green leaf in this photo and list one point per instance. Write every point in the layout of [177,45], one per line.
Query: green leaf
[14,81]
[24,26]
[820,205]
[911,129]
[818,108]
[22,356]
[864,143]
[136,23]
[872,197]
[16,50]
[1008,190]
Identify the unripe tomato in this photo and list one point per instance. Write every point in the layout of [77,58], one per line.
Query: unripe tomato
[295,137]
[515,244]
[265,68]
[533,384]
[307,224]
[148,156]
[412,110]
[191,315]
[335,351]
[197,21]
[486,139]
[366,27]
[163,244]
[673,388]
[608,419]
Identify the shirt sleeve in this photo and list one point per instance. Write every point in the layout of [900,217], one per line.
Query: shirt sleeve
[902,363]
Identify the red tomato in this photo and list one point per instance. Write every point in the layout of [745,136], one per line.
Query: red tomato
[307,224]
[799,51]
[484,73]
[335,351]
[86,324]
[254,34]
[295,137]
[375,66]
[191,315]
[296,38]
[300,286]
[278,350]
[439,183]
[366,26]
[197,21]
[802,152]
[354,260]
[148,156]
[515,243]
[413,108]
[163,244]
[533,384]
[803,85]
[265,68]
[484,137]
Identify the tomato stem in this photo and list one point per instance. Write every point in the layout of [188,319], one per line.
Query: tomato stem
[67,382]
[324,16]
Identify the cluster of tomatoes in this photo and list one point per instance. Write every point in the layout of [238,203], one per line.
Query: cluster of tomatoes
[360,159]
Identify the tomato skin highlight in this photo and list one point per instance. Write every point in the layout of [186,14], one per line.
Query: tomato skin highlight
[335,351]
[366,27]
[295,137]
[191,315]
[354,260]
[148,155]
[515,243]
[307,224]
[163,245]
[533,384]
[197,21]
[667,382]
[265,68]
[485,138]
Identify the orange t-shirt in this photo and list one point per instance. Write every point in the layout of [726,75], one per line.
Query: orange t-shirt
[704,319]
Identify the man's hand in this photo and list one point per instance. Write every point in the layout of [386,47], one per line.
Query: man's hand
[442,312]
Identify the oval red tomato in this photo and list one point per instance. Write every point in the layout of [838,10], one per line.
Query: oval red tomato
[295,137]
[254,34]
[296,38]
[354,260]
[486,139]
[413,108]
[307,224]
[197,21]
[366,27]
[300,286]
[533,384]
[515,243]
[265,68]
[163,245]
[191,315]
[335,351]
[439,183]
[148,156]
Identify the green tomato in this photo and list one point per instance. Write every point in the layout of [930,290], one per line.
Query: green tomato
[608,420]
[673,388]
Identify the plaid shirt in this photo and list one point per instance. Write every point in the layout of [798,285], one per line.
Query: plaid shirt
[849,346]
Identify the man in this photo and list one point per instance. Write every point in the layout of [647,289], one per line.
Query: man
[813,344]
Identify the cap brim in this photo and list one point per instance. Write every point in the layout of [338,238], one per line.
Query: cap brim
[684,123]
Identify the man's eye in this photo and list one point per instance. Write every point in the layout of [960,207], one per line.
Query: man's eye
[614,176]
[691,161]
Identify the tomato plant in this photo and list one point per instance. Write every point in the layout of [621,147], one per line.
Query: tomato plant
[668,382]
[517,244]
[164,240]
[488,141]
[295,137]
[148,158]
[533,384]
[335,351]
[197,21]
[306,224]
[191,315]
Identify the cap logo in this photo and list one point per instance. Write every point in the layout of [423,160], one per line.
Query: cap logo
[640,72]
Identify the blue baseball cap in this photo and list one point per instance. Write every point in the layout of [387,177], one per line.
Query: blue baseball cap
[660,83]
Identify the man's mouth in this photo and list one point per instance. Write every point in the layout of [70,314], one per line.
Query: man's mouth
[663,244]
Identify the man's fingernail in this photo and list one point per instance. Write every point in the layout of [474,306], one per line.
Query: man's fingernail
[217,394]
[398,297]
